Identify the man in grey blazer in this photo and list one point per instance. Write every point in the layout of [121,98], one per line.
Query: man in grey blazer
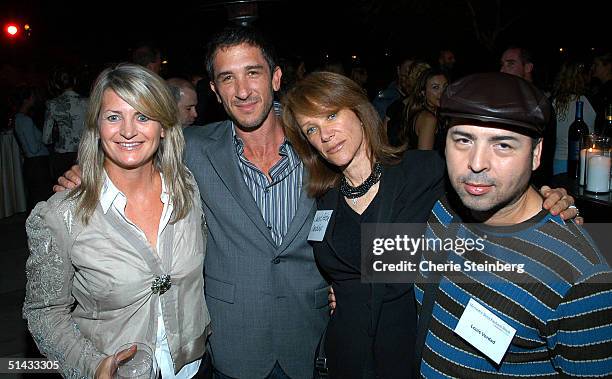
[267,299]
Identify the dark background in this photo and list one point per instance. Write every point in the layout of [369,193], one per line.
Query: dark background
[378,32]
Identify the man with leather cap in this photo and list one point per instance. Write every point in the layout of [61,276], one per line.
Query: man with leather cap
[535,297]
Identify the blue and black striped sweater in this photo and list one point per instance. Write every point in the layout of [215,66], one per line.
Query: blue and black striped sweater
[561,306]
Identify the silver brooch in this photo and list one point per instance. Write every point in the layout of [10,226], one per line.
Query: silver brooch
[161,284]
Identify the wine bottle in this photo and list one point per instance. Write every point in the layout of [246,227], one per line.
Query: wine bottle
[577,130]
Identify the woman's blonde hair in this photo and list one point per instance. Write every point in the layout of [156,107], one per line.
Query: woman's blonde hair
[320,94]
[149,95]
[571,83]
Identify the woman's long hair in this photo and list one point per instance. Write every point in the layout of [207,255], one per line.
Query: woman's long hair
[61,78]
[417,102]
[571,83]
[322,93]
[149,95]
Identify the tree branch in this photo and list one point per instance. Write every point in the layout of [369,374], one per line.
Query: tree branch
[474,19]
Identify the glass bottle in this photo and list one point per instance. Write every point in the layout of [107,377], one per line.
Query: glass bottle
[577,130]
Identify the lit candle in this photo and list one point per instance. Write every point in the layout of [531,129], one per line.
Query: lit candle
[584,168]
[598,173]
[583,154]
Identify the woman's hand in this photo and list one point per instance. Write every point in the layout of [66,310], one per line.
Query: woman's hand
[558,202]
[108,367]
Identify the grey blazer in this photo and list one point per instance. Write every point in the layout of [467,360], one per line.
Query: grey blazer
[89,286]
[267,303]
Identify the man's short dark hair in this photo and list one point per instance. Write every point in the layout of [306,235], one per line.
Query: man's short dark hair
[524,54]
[233,36]
[20,94]
[145,54]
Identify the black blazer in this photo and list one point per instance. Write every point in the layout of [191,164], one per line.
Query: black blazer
[407,194]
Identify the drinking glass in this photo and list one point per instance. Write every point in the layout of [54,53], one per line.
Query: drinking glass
[141,365]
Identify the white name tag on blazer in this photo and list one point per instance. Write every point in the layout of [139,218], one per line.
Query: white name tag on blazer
[485,331]
[319,225]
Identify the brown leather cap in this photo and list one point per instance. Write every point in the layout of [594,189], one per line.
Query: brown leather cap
[498,98]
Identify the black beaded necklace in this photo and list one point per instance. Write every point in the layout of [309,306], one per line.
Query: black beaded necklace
[355,192]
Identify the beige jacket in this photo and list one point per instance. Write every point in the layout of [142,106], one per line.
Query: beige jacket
[89,287]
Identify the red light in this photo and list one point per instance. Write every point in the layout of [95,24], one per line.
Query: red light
[12,30]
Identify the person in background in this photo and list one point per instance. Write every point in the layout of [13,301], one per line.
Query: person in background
[359,74]
[147,56]
[570,85]
[64,118]
[119,259]
[195,77]
[208,108]
[396,117]
[294,69]
[186,98]
[422,130]
[446,63]
[395,90]
[602,72]
[558,303]
[518,61]
[36,165]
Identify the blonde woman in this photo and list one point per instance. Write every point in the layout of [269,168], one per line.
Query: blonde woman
[120,258]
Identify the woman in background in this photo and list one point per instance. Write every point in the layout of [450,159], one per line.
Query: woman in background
[36,169]
[395,119]
[422,130]
[64,120]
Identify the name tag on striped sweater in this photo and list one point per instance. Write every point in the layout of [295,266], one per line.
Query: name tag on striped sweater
[485,331]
